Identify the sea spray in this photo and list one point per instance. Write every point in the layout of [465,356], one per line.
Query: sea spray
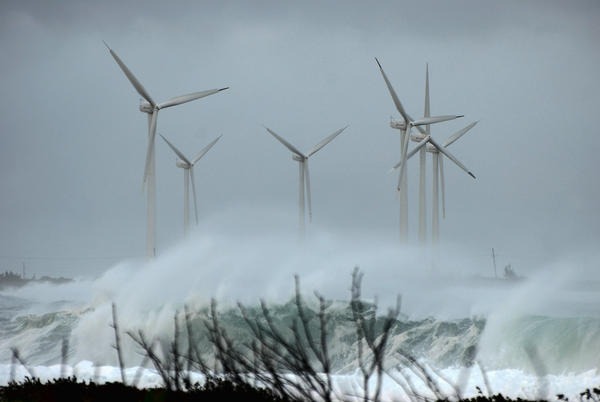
[446,314]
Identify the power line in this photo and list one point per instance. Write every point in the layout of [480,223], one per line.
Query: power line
[55,258]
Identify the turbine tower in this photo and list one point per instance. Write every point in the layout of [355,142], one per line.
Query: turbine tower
[188,175]
[304,176]
[151,108]
[438,152]
[422,154]
[438,167]
[405,127]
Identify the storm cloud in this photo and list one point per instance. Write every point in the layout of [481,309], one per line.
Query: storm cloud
[72,141]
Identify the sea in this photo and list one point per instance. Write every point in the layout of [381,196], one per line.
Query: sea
[537,336]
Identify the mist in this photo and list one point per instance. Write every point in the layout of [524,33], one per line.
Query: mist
[246,265]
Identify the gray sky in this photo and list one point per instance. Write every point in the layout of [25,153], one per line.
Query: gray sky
[72,141]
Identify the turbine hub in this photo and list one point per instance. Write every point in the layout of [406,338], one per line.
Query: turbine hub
[146,107]
[399,124]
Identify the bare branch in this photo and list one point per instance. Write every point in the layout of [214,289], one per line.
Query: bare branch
[117,344]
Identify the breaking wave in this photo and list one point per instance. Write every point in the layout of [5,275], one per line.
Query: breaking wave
[565,344]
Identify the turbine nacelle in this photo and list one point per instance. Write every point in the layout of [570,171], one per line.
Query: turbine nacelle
[399,124]
[146,107]
[298,158]
[182,164]
[432,149]
[417,137]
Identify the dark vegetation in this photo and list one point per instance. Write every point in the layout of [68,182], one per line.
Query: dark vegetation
[277,363]
[69,389]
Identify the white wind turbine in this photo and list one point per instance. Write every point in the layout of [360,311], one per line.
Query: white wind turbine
[405,127]
[188,175]
[422,159]
[438,173]
[151,108]
[430,145]
[417,137]
[304,175]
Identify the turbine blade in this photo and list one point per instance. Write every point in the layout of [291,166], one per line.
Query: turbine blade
[400,177]
[397,102]
[150,150]
[427,112]
[194,193]
[458,134]
[441,167]
[134,81]
[420,145]
[287,144]
[450,156]
[178,100]
[326,141]
[404,153]
[308,196]
[393,93]
[435,119]
[177,152]
[406,141]
[205,150]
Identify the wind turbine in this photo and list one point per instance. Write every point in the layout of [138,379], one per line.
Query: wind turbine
[151,108]
[304,175]
[437,171]
[422,160]
[188,174]
[405,127]
[438,152]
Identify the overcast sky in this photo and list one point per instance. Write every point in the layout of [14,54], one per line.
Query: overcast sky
[72,141]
